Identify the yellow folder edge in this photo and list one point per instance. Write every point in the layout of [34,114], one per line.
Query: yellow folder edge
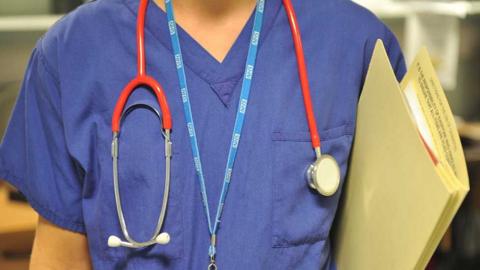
[445,172]
[446,141]
[450,149]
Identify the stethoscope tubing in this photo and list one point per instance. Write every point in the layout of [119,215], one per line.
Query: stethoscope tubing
[141,79]
[303,75]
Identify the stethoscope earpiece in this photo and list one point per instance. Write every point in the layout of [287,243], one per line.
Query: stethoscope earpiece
[324,175]
[163,238]
[115,241]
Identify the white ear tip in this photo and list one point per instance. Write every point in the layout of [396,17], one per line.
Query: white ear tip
[163,238]
[114,241]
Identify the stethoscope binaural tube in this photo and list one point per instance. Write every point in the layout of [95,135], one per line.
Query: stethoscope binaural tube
[141,79]
[157,238]
[324,174]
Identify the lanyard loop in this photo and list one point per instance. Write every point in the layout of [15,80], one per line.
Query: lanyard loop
[239,120]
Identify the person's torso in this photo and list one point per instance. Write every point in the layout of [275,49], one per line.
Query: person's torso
[272,219]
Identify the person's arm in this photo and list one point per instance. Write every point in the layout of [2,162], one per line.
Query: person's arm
[36,158]
[57,248]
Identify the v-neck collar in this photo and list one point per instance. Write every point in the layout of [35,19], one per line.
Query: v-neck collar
[221,76]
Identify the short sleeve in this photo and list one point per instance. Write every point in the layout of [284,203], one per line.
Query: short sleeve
[34,156]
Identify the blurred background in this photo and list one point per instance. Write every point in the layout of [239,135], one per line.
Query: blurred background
[449,29]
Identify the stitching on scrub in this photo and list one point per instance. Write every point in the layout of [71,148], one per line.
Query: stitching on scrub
[45,63]
[260,45]
[199,75]
[32,201]
[7,176]
[325,135]
[202,76]
[48,69]
[282,243]
[51,71]
[72,225]
[57,219]
[134,13]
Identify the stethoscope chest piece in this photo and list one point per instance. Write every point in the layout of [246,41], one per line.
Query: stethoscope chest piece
[324,175]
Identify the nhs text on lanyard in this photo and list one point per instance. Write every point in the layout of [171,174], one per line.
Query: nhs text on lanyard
[240,117]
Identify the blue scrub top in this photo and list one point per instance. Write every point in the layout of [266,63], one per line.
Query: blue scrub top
[57,147]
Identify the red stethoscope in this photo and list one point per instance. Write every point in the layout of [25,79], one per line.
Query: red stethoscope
[323,175]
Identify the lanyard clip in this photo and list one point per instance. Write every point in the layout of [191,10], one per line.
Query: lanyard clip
[213,241]
[212,265]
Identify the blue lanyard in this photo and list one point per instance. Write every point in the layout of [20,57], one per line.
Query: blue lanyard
[239,120]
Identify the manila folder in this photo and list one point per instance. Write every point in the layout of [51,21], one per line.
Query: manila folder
[395,199]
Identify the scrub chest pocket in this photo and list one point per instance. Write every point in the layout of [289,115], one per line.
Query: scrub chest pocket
[300,214]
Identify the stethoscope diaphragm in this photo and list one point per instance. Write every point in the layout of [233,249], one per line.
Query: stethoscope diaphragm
[324,175]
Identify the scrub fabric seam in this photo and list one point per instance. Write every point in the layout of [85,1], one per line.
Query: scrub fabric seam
[75,226]
[288,244]
[205,78]
[43,60]
[304,136]
[134,13]
[48,69]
